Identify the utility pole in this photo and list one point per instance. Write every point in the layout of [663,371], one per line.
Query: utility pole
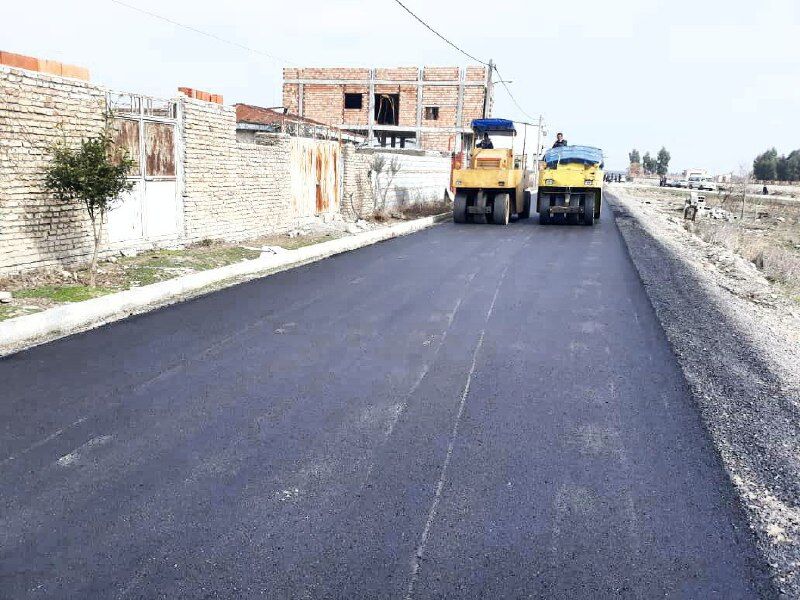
[538,148]
[487,100]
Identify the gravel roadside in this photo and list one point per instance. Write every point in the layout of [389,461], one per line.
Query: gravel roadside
[738,343]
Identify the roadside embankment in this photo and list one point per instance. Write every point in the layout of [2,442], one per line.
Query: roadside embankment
[736,336]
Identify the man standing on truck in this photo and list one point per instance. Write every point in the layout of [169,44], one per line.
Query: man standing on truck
[560,141]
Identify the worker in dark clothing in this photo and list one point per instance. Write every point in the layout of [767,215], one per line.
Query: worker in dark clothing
[560,141]
[486,143]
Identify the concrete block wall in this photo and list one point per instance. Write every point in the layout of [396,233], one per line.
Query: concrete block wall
[37,110]
[423,177]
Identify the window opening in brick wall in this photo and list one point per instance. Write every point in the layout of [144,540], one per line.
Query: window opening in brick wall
[354,101]
[387,109]
[432,113]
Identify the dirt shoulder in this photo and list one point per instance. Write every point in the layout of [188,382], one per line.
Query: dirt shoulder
[736,335]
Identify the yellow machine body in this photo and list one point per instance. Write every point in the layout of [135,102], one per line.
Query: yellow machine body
[491,173]
[564,190]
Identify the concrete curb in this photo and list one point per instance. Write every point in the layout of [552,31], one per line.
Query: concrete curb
[26,331]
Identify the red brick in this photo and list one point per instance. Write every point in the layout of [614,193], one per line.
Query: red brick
[53,67]
[75,72]
[217,98]
[19,60]
[201,95]
[186,91]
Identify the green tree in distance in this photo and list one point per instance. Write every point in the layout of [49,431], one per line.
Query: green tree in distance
[649,163]
[765,166]
[662,161]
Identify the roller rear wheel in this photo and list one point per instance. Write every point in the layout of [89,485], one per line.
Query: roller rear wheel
[480,202]
[544,209]
[501,212]
[460,208]
[588,209]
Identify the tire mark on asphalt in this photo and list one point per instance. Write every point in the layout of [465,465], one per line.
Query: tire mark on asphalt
[437,496]
[41,442]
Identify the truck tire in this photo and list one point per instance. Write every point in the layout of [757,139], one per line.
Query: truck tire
[460,208]
[480,202]
[526,206]
[501,211]
[544,209]
[588,209]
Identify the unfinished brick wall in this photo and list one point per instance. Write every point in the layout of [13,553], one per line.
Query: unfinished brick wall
[325,101]
[36,111]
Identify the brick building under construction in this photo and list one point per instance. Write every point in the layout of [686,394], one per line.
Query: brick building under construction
[429,108]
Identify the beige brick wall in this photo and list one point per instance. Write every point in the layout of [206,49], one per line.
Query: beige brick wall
[37,110]
[230,189]
[233,190]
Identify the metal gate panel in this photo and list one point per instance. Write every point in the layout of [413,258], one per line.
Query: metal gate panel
[160,208]
[314,176]
[125,219]
[146,128]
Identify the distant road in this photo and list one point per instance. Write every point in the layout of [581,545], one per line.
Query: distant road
[470,411]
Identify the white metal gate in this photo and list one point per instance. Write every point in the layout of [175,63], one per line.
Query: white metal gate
[152,210]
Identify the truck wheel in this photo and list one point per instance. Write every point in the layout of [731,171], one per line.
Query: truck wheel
[480,202]
[526,207]
[460,208]
[501,211]
[544,209]
[588,209]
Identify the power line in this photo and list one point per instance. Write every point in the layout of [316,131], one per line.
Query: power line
[201,32]
[510,95]
[467,54]
[439,35]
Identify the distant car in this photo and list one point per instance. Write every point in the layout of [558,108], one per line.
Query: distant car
[693,183]
[681,183]
[707,184]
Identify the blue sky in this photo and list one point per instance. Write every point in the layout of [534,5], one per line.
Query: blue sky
[715,82]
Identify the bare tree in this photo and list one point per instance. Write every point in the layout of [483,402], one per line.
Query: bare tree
[380,166]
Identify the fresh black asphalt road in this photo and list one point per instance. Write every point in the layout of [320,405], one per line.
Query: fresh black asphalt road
[470,411]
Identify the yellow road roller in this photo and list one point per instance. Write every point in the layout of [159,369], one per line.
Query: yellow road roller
[491,186]
[570,185]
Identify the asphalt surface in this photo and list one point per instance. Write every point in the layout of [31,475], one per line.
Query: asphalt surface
[470,411]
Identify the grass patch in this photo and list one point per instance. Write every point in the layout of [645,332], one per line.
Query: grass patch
[136,276]
[305,240]
[6,312]
[67,293]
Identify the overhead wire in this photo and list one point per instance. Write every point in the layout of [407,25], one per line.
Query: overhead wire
[467,54]
[202,32]
[440,36]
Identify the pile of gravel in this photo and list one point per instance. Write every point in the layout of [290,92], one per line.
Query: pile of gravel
[741,358]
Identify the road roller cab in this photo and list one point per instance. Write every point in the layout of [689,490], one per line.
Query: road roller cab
[490,186]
